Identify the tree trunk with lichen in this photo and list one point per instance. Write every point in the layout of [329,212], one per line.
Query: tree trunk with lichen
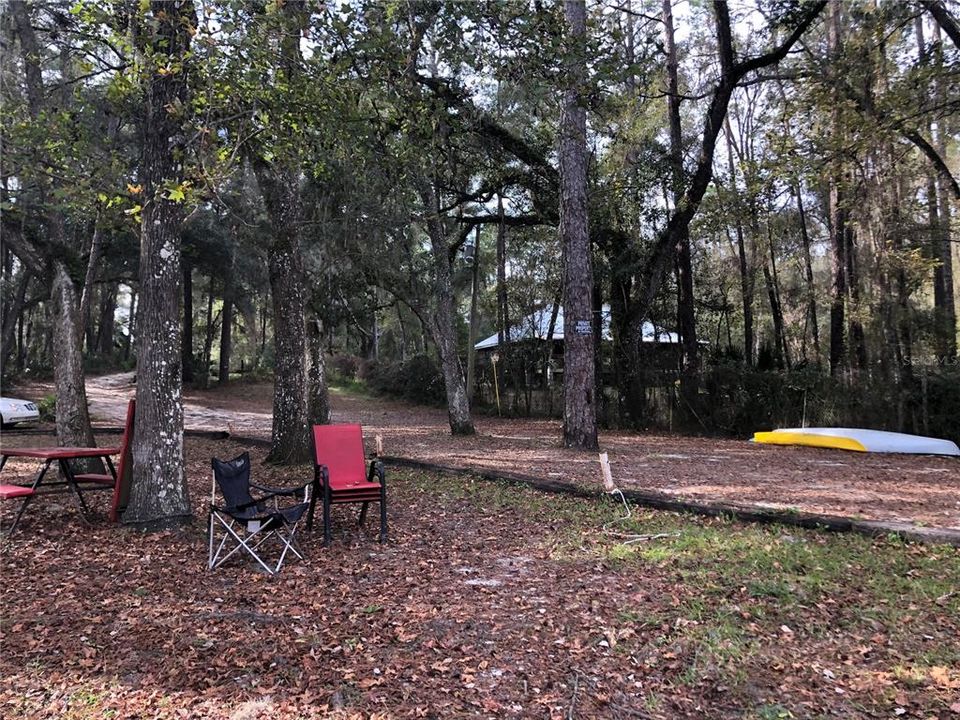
[686,316]
[444,333]
[280,188]
[318,402]
[73,419]
[72,416]
[158,496]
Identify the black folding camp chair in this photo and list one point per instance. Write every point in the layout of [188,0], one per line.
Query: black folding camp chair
[248,523]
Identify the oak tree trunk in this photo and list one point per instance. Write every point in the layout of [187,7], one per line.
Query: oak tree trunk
[289,437]
[131,324]
[472,330]
[811,291]
[73,418]
[73,428]
[12,319]
[504,344]
[226,325]
[946,308]
[158,496]
[746,274]
[105,325]
[442,321]
[280,187]
[208,331]
[837,220]
[857,339]
[319,398]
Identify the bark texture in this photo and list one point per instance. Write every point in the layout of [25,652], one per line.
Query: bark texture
[73,418]
[442,322]
[946,309]
[685,301]
[226,324]
[810,287]
[50,261]
[105,325]
[158,496]
[280,188]
[580,410]
[12,319]
[187,344]
[280,185]
[837,222]
[318,404]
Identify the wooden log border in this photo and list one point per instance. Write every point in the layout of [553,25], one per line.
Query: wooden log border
[737,511]
[656,500]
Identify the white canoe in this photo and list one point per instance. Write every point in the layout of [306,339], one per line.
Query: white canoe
[859,440]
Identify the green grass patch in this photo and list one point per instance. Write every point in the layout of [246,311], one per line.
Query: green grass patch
[742,591]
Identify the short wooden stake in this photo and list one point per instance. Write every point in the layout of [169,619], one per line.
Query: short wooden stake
[379,445]
[607,475]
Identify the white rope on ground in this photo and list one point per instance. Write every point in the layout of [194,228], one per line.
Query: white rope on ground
[611,489]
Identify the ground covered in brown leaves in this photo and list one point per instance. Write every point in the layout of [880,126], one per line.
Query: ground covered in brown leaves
[489,601]
[913,489]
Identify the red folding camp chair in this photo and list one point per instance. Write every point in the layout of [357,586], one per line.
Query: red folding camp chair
[341,475]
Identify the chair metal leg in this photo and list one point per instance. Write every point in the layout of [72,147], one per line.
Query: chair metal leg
[383,513]
[243,543]
[289,544]
[210,528]
[314,492]
[326,517]
[363,514]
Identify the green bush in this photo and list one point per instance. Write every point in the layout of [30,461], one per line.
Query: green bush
[48,408]
[343,367]
[417,380]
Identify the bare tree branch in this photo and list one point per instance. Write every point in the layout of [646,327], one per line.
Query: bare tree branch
[943,18]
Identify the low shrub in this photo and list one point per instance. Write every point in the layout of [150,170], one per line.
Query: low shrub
[741,400]
[343,367]
[48,408]
[418,380]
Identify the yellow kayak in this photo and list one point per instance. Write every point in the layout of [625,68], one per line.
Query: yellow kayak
[858,440]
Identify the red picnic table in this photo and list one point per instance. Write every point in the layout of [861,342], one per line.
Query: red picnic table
[69,480]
